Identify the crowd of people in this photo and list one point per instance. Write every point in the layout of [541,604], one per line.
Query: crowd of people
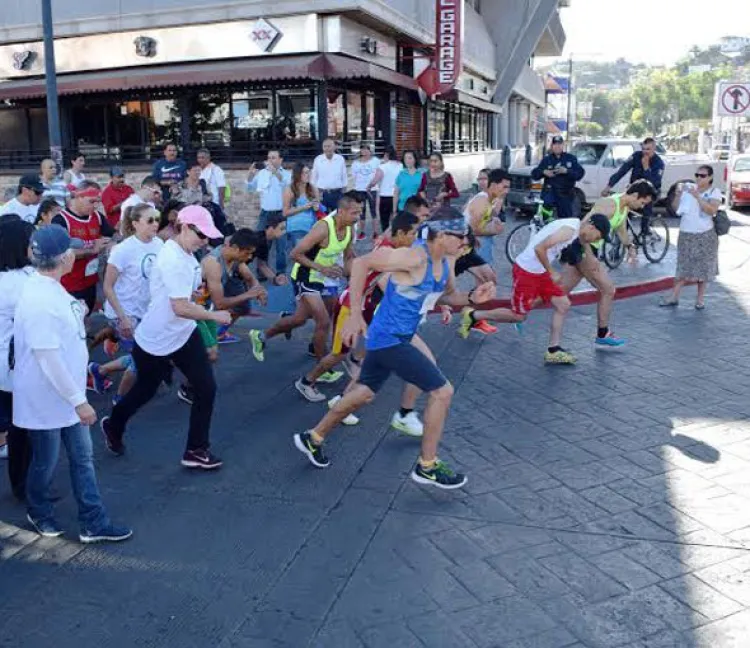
[173,276]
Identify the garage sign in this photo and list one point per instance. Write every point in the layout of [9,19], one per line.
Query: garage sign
[442,75]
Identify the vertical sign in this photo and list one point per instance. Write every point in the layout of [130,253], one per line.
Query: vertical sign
[441,77]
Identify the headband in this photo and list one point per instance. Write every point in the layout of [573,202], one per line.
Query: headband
[453,226]
[89,192]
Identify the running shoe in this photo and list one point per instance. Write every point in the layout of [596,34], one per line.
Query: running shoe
[185,394]
[609,341]
[223,336]
[314,453]
[466,323]
[484,327]
[45,528]
[258,344]
[4,451]
[350,418]
[282,314]
[98,382]
[109,533]
[112,440]
[561,357]
[310,392]
[201,460]
[439,476]
[518,326]
[111,347]
[330,377]
[409,424]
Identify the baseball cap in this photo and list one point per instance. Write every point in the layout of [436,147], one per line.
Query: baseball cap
[557,139]
[116,172]
[200,217]
[31,181]
[52,241]
[601,222]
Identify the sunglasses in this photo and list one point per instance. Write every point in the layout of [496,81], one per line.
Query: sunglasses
[151,220]
[701,175]
[197,232]
[457,235]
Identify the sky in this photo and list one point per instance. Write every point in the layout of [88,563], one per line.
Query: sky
[655,32]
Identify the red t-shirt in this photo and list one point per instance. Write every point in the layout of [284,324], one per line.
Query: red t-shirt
[112,198]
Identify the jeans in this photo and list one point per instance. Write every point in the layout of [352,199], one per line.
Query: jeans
[45,445]
[386,209]
[280,243]
[368,198]
[192,361]
[19,447]
[330,199]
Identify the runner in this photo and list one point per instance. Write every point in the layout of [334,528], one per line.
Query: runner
[126,289]
[536,282]
[321,259]
[420,276]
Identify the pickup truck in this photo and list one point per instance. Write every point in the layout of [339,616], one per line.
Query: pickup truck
[601,158]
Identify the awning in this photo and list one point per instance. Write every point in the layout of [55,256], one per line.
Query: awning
[316,67]
[476,102]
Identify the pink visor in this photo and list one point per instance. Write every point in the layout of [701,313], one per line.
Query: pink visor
[199,217]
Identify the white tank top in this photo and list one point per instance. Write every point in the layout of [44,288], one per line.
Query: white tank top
[467,209]
[76,178]
[528,260]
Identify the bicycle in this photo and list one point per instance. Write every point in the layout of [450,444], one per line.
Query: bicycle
[520,235]
[655,243]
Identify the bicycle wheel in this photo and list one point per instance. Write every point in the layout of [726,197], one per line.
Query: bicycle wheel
[656,242]
[613,252]
[518,239]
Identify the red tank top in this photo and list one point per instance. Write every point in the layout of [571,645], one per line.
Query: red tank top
[85,272]
[370,283]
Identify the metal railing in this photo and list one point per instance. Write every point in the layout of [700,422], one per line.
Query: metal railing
[451,147]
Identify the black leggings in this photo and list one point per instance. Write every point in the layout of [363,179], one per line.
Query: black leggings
[386,209]
[19,448]
[191,359]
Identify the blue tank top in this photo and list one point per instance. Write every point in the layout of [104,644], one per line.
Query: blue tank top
[302,222]
[403,308]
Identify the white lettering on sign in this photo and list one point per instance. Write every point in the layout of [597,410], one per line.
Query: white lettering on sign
[448,43]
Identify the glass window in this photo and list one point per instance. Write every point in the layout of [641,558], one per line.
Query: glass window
[353,116]
[162,122]
[296,116]
[370,118]
[210,123]
[436,126]
[336,115]
[589,154]
[621,152]
[252,116]
[88,127]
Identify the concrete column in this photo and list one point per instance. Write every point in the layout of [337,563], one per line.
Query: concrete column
[512,123]
[502,134]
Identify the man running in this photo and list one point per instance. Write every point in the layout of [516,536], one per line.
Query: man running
[535,282]
[322,259]
[420,276]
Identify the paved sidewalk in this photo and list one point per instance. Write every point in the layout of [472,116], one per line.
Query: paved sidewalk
[608,506]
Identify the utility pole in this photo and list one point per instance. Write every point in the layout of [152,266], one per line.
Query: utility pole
[570,100]
[50,76]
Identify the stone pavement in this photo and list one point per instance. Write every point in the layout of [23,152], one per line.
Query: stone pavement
[607,506]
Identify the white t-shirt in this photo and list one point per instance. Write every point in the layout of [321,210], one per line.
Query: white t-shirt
[11,285]
[215,179]
[133,200]
[26,212]
[528,260]
[133,259]
[693,220]
[174,275]
[390,170]
[362,172]
[47,317]
[329,174]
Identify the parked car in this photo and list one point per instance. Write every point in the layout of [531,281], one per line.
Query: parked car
[738,181]
[721,152]
[601,158]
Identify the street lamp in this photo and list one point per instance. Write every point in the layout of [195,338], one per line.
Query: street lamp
[50,76]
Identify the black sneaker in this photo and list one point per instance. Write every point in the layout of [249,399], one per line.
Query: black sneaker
[314,453]
[439,476]
[109,533]
[185,394]
[112,440]
[45,528]
[288,334]
[201,459]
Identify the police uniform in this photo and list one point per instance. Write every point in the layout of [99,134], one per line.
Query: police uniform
[559,190]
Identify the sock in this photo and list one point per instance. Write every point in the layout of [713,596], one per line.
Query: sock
[602,331]
[305,381]
[404,411]
[472,317]
[316,438]
[427,465]
[554,349]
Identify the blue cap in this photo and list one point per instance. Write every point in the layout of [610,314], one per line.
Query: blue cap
[52,241]
[117,172]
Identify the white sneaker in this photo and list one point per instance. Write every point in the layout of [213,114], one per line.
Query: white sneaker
[4,451]
[409,424]
[310,392]
[350,419]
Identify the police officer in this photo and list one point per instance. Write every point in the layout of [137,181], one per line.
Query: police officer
[643,165]
[560,171]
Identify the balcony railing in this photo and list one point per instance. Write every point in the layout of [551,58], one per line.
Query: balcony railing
[451,147]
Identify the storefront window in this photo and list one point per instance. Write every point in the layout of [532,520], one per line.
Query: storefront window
[370,118]
[162,122]
[336,114]
[436,126]
[252,117]
[353,116]
[296,118]
[210,122]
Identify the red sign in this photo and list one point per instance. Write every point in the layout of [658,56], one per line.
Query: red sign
[442,75]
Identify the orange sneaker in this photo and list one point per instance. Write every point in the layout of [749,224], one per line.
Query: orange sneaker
[484,327]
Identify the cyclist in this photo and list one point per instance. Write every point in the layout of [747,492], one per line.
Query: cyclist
[560,171]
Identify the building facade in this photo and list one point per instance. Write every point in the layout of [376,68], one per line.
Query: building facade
[244,76]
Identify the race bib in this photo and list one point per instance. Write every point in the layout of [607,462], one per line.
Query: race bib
[92,267]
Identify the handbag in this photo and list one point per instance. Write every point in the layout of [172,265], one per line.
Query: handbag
[722,223]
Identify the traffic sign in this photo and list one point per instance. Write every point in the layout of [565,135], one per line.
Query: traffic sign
[733,100]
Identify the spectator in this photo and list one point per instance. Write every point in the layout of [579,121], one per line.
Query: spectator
[47,212]
[49,391]
[149,193]
[698,244]
[213,176]
[270,184]
[74,175]
[192,190]
[26,202]
[390,169]
[301,201]
[274,230]
[54,187]
[169,172]
[167,224]
[114,195]
[366,175]
[408,181]
[438,187]
[15,269]
[329,176]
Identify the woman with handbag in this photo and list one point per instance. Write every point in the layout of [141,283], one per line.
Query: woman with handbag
[698,244]
[438,187]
